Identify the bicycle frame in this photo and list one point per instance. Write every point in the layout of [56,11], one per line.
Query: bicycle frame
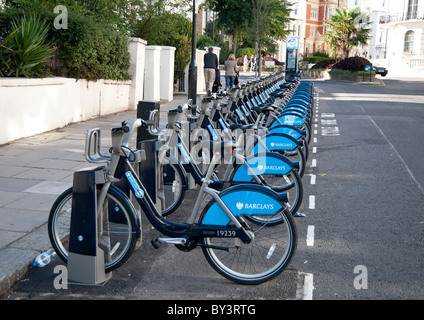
[119,166]
[191,167]
[188,230]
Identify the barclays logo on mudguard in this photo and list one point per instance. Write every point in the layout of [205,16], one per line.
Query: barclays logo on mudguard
[261,206]
[242,202]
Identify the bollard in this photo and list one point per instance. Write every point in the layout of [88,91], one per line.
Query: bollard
[187,127]
[148,169]
[86,262]
[144,111]
[147,140]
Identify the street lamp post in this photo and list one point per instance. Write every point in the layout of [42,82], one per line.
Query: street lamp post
[192,71]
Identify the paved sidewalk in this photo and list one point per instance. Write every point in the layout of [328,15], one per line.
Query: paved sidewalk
[34,171]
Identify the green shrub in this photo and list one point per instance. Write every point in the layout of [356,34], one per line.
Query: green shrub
[168,29]
[24,52]
[204,42]
[352,64]
[317,59]
[91,50]
[321,54]
[224,53]
[241,52]
[87,49]
[325,64]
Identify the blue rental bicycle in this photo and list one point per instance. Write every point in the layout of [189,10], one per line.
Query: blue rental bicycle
[237,244]
[265,168]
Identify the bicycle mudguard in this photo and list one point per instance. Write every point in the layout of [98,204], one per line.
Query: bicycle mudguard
[241,200]
[290,130]
[300,100]
[270,163]
[294,113]
[298,110]
[290,119]
[277,141]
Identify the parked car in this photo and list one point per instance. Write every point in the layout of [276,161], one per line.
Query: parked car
[380,70]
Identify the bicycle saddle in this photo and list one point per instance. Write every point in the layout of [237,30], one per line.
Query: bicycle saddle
[278,93]
[264,108]
[285,85]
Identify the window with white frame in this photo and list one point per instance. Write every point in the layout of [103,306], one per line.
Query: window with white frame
[412,9]
[314,13]
[408,42]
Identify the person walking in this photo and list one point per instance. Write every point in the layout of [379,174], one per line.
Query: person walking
[210,66]
[252,62]
[231,71]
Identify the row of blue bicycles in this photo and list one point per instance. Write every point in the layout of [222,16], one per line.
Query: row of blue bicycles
[243,152]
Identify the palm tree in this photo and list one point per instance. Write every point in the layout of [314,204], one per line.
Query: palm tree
[347,29]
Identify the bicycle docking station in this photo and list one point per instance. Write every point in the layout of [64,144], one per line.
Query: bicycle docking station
[103,222]
[86,260]
[87,252]
[147,140]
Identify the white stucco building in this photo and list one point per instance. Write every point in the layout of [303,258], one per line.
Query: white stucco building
[297,27]
[397,37]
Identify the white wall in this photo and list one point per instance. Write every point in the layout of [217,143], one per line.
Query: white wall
[152,73]
[34,106]
[137,49]
[167,59]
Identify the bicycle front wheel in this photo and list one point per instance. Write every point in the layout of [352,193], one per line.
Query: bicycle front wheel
[117,235]
[269,253]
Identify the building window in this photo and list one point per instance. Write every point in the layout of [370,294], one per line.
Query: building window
[312,32]
[409,42]
[412,9]
[314,13]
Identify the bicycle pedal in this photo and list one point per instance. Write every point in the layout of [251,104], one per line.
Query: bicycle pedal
[155,243]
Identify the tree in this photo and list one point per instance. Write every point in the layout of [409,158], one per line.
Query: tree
[257,20]
[233,16]
[168,29]
[269,19]
[347,29]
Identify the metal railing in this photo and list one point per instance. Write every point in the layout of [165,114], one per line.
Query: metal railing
[180,81]
[416,63]
[403,16]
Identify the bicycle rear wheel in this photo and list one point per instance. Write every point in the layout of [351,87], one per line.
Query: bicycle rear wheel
[269,253]
[117,237]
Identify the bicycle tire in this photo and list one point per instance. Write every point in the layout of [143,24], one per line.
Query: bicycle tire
[118,238]
[267,256]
